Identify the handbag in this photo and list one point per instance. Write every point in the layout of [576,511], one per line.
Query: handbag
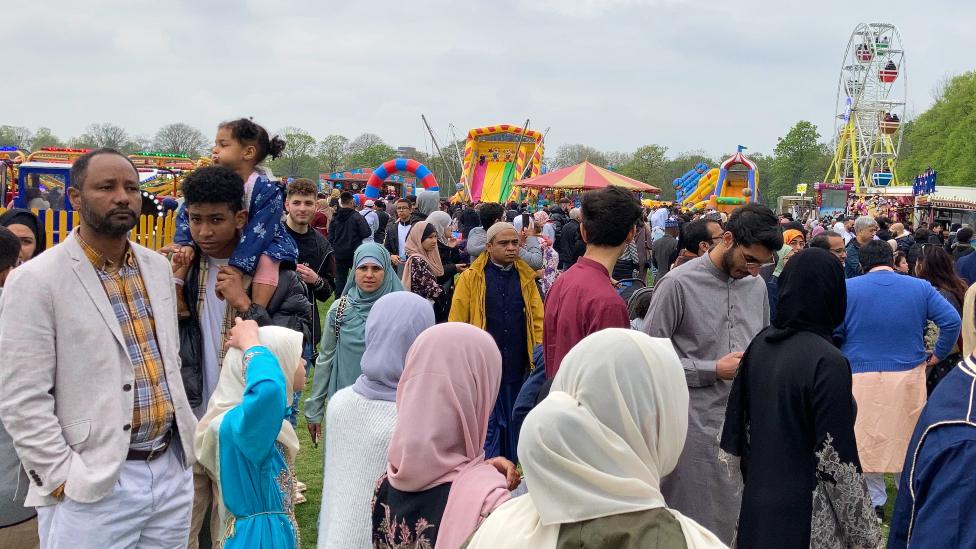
[935,374]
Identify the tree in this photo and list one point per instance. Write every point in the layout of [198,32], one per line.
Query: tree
[799,158]
[298,143]
[44,138]
[138,143]
[105,134]
[678,166]
[647,165]
[364,142]
[332,151]
[764,163]
[298,158]
[180,138]
[941,138]
[16,136]
[570,155]
[616,159]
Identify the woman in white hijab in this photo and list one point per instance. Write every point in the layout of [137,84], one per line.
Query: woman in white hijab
[595,450]
[245,441]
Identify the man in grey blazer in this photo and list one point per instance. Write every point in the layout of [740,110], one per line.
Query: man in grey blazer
[90,386]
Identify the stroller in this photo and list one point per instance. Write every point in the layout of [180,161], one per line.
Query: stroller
[637,305]
[627,286]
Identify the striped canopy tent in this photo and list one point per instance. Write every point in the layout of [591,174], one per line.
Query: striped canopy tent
[585,176]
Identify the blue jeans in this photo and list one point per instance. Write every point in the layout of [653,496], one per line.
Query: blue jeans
[308,352]
[529,393]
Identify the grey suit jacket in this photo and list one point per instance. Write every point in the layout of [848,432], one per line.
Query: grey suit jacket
[66,380]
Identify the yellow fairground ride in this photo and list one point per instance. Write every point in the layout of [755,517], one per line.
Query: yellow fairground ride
[161,173]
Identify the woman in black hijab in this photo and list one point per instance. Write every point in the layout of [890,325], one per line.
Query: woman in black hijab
[28,229]
[790,418]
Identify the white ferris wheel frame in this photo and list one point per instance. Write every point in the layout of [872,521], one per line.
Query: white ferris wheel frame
[863,97]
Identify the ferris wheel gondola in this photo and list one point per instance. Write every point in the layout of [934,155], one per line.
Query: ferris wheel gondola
[870,108]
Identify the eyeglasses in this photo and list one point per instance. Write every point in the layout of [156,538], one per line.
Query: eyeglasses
[752,264]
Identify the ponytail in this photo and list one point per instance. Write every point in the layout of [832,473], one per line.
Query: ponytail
[248,132]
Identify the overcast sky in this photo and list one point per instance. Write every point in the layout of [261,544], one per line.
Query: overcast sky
[615,74]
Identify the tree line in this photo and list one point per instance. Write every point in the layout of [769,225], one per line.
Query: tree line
[941,138]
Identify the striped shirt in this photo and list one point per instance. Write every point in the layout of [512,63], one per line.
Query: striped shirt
[152,408]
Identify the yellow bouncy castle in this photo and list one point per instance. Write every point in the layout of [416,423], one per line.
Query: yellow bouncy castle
[495,157]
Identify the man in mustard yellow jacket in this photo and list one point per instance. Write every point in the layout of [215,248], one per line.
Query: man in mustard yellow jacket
[498,294]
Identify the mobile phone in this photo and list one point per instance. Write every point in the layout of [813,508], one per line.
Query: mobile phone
[456,235]
[525,221]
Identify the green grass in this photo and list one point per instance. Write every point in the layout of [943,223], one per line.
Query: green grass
[308,469]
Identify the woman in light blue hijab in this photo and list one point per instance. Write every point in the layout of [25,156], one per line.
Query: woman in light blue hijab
[344,333]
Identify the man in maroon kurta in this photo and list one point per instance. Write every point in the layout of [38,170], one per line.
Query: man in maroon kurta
[583,299]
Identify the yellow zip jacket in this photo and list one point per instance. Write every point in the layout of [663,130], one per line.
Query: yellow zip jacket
[469,300]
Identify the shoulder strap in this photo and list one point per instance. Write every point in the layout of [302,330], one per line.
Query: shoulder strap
[340,312]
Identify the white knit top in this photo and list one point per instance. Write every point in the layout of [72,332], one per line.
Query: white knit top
[357,437]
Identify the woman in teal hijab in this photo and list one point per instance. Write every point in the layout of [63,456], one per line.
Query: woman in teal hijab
[344,333]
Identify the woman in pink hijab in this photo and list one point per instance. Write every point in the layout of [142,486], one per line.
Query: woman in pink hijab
[438,487]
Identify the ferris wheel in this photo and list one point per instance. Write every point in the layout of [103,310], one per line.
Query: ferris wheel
[870,109]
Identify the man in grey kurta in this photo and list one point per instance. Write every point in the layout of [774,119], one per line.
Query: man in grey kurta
[710,308]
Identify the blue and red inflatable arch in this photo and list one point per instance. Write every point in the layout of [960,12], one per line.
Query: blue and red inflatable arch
[375,184]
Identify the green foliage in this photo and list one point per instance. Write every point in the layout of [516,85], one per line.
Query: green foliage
[799,157]
[332,152]
[16,136]
[678,166]
[648,165]
[44,138]
[371,156]
[944,137]
[299,158]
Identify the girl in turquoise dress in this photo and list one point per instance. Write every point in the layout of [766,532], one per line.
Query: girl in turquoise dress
[245,441]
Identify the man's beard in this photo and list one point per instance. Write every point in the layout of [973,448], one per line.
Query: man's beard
[727,261]
[107,226]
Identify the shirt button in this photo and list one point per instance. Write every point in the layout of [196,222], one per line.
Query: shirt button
[126,427]
[127,387]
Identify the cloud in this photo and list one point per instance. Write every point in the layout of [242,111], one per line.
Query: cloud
[614,74]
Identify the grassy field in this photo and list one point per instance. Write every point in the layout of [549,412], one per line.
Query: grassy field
[308,467]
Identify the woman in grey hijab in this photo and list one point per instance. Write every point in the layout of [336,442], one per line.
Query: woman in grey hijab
[428,202]
[360,420]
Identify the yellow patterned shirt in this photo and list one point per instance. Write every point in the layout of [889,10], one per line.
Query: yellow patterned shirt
[152,409]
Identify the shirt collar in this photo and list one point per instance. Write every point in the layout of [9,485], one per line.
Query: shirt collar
[99,261]
[706,260]
[500,267]
[596,265]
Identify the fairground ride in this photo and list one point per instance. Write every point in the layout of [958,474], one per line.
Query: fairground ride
[870,110]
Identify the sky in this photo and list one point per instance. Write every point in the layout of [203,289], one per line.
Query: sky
[692,75]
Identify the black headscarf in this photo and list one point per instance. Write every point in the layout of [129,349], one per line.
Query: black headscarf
[812,295]
[18,216]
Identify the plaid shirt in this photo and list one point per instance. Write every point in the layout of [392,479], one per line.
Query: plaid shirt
[229,312]
[152,410]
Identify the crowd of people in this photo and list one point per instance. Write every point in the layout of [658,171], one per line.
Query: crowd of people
[485,377]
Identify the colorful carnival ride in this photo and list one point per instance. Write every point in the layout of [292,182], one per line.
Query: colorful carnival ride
[870,107]
[497,156]
[355,180]
[39,181]
[734,183]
